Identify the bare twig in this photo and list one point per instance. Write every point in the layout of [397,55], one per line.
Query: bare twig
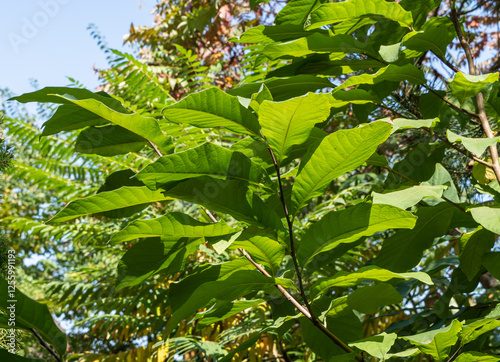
[155,148]
[45,345]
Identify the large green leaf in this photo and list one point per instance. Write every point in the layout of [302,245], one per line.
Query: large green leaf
[27,313]
[350,279]
[263,246]
[224,310]
[152,255]
[393,73]
[369,299]
[491,262]
[476,357]
[403,250]
[337,154]
[337,12]
[437,342]
[488,217]
[232,197]
[296,11]
[420,9]
[407,197]
[290,123]
[171,225]
[377,346]
[7,356]
[473,330]
[317,43]
[108,141]
[110,200]
[465,86]
[349,225]
[472,248]
[213,108]
[205,160]
[474,145]
[69,117]
[435,35]
[270,34]
[226,281]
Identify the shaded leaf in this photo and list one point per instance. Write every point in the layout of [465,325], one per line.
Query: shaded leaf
[472,248]
[108,141]
[369,299]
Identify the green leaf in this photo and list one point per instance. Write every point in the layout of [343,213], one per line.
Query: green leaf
[488,217]
[403,123]
[350,279]
[145,127]
[436,34]
[491,262]
[474,145]
[317,43]
[227,281]
[152,255]
[337,154]
[369,299]
[485,175]
[349,225]
[337,12]
[108,141]
[171,225]
[407,197]
[472,331]
[476,357]
[205,160]
[213,108]
[69,117]
[263,247]
[290,123]
[472,248]
[270,34]
[465,86]
[393,73]
[437,342]
[377,346]
[223,310]
[405,248]
[7,356]
[110,200]
[295,12]
[27,313]
[231,197]
[420,9]
[284,88]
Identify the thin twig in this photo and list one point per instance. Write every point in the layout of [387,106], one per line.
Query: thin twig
[472,114]
[447,63]
[45,345]
[479,97]
[155,148]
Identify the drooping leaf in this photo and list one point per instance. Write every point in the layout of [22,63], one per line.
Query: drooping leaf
[392,73]
[488,217]
[405,248]
[290,123]
[205,160]
[337,154]
[349,225]
[472,331]
[110,200]
[369,299]
[171,225]
[491,262]
[437,342]
[474,145]
[436,34]
[224,310]
[377,346]
[296,11]
[213,108]
[269,34]
[262,246]
[465,86]
[108,141]
[403,123]
[149,256]
[337,12]
[69,117]
[472,248]
[231,197]
[28,313]
[317,43]
[350,279]
[408,197]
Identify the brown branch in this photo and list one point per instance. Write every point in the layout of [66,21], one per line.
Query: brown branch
[155,148]
[479,97]
[45,345]
[472,114]
[447,63]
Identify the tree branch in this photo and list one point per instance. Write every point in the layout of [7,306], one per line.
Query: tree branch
[45,345]
[479,97]
[155,148]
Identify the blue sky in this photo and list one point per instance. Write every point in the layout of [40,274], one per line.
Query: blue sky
[48,40]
